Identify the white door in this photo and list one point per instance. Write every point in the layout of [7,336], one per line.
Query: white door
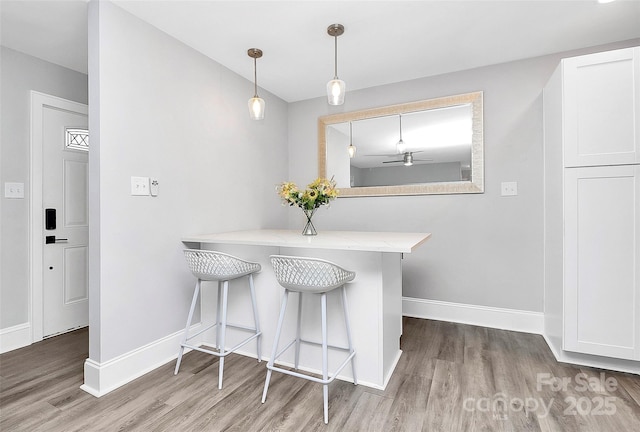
[602,108]
[602,261]
[65,233]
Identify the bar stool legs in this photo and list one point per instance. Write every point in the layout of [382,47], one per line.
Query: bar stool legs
[349,340]
[223,295]
[326,379]
[221,325]
[196,293]
[256,320]
[223,329]
[325,356]
[274,350]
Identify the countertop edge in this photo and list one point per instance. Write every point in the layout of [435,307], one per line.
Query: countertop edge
[407,248]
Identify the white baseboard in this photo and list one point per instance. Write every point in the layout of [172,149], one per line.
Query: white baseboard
[102,378]
[614,364]
[15,337]
[485,316]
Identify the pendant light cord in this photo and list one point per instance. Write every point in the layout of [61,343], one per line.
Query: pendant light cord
[335,38]
[255,76]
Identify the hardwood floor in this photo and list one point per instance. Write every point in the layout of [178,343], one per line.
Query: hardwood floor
[451,377]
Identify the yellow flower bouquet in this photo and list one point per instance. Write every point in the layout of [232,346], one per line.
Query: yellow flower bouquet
[319,192]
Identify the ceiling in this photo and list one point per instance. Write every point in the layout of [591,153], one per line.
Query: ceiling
[384,41]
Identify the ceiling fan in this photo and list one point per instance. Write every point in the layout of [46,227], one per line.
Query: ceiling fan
[407,159]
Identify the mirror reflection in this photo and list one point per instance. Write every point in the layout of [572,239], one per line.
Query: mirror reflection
[411,148]
[432,146]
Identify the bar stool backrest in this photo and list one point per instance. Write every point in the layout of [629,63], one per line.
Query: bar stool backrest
[309,274]
[218,266]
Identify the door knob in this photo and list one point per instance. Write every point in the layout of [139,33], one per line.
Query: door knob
[53,239]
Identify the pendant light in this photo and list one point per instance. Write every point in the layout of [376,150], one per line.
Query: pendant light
[335,87]
[256,104]
[400,146]
[351,149]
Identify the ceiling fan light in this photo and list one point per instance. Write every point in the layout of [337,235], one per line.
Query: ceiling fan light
[408,159]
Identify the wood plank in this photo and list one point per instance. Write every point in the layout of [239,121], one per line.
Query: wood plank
[442,366]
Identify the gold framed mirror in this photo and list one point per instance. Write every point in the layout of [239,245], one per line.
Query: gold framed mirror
[433,146]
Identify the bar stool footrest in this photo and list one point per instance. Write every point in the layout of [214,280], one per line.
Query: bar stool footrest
[223,353]
[312,378]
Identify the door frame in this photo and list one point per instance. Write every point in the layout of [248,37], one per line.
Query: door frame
[40,101]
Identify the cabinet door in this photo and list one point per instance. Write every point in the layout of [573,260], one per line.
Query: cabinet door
[602,108]
[602,253]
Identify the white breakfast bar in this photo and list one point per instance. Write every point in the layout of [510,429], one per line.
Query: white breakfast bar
[374,297]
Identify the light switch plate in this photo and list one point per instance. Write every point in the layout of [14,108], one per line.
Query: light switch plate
[509,188]
[14,190]
[140,186]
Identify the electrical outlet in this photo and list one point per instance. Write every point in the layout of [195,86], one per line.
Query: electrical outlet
[14,190]
[154,186]
[140,186]
[509,188]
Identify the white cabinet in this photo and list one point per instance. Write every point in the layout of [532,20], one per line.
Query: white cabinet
[602,249]
[592,207]
[601,108]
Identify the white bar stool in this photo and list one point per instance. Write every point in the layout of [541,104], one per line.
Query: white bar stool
[312,276]
[209,265]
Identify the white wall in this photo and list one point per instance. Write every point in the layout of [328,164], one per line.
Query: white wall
[21,73]
[158,108]
[486,249]
[414,174]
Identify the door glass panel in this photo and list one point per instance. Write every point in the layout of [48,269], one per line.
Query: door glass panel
[77,139]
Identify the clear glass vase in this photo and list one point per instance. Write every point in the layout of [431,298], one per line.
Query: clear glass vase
[309,229]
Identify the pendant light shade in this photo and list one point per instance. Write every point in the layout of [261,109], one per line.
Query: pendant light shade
[351,149]
[335,92]
[256,103]
[336,87]
[256,108]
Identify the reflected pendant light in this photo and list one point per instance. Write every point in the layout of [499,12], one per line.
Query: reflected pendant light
[256,104]
[351,149]
[400,146]
[335,87]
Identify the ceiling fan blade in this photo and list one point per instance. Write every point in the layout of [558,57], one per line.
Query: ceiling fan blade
[395,161]
[394,155]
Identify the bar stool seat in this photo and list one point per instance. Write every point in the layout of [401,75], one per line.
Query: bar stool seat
[207,265]
[310,276]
